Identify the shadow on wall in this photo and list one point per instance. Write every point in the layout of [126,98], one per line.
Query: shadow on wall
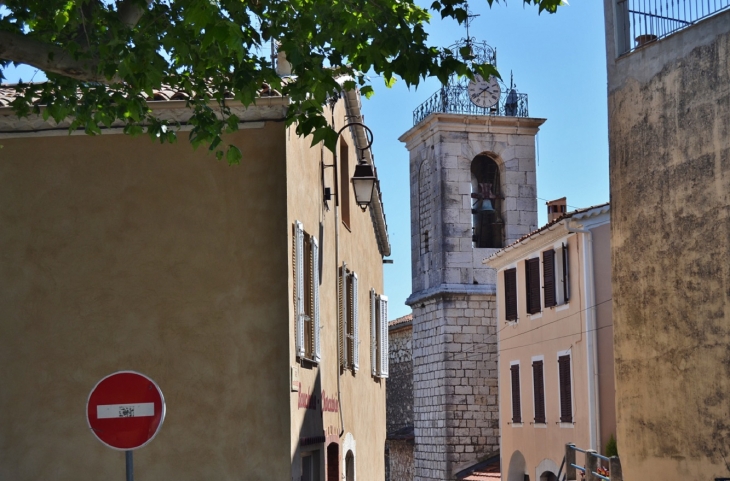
[315,455]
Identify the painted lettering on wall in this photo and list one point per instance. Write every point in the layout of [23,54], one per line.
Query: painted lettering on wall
[323,402]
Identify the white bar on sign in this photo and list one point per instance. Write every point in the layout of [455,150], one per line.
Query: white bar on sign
[106,411]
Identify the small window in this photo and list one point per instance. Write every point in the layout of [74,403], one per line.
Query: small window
[539,392]
[344,183]
[532,279]
[349,322]
[306,294]
[566,274]
[379,334]
[310,466]
[566,393]
[516,409]
[548,277]
[510,294]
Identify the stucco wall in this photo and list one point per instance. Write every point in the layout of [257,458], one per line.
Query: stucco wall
[669,122]
[119,253]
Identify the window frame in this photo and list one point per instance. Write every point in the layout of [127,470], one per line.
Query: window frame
[533,301]
[565,421]
[510,295]
[516,406]
[306,281]
[379,346]
[538,388]
[349,323]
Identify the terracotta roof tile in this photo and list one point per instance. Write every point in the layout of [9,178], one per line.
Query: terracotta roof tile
[401,320]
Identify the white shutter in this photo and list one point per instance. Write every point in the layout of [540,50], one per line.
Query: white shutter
[315,294]
[343,315]
[384,336]
[373,332]
[355,326]
[299,286]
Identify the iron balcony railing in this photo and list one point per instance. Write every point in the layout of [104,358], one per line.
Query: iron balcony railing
[642,21]
[455,100]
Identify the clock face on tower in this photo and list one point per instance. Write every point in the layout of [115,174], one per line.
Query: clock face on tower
[484,93]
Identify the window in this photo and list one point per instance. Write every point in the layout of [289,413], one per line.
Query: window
[516,410]
[532,279]
[566,273]
[510,294]
[538,389]
[379,334]
[566,394]
[548,278]
[486,210]
[344,183]
[349,325]
[306,294]
[310,466]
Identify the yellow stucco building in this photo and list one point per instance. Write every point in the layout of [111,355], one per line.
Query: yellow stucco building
[256,306]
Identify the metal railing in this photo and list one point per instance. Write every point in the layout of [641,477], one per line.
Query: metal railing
[643,21]
[593,468]
[455,100]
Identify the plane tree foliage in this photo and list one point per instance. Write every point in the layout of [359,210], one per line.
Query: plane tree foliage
[103,58]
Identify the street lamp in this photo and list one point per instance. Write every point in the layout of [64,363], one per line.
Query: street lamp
[363,181]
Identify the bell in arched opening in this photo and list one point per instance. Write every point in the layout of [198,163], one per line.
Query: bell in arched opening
[487,223]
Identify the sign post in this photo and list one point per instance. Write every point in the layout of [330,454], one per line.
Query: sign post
[125,411]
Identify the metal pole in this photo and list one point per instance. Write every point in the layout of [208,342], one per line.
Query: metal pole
[130,465]
[569,461]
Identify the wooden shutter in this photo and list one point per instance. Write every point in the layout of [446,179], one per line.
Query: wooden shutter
[548,277]
[315,293]
[383,336]
[510,294]
[566,395]
[566,275]
[532,279]
[299,286]
[539,392]
[342,295]
[373,333]
[516,412]
[355,325]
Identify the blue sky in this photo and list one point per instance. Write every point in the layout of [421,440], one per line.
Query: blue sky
[558,60]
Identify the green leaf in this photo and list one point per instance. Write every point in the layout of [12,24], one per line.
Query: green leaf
[367,91]
[233,155]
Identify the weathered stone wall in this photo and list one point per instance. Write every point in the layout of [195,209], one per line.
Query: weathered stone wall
[669,106]
[399,388]
[456,416]
[400,457]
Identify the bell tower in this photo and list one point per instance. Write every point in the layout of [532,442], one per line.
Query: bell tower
[473,191]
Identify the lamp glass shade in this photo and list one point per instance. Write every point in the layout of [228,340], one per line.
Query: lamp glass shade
[363,183]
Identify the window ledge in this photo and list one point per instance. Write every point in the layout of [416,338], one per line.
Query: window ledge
[567,425]
[540,425]
[535,316]
[516,425]
[562,307]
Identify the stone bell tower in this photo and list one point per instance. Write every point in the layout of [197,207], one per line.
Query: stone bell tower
[472,175]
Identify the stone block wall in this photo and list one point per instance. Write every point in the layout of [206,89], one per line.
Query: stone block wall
[456,415]
[399,388]
[400,461]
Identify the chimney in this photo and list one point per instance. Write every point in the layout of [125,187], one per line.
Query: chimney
[283,67]
[556,208]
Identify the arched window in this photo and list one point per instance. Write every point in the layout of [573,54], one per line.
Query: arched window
[350,466]
[486,194]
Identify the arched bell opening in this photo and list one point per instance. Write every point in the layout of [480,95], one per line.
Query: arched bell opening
[487,199]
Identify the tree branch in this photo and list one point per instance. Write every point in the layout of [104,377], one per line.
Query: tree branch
[130,11]
[49,58]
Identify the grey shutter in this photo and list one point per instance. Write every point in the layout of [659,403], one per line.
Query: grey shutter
[384,337]
[355,326]
[315,293]
[539,391]
[343,315]
[510,294]
[548,277]
[566,275]
[532,279]
[373,333]
[299,286]
[566,394]
[516,410]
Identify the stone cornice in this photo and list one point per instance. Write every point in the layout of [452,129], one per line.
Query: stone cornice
[451,290]
[469,123]
[264,108]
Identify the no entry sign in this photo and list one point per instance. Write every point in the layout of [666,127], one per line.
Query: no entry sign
[125,410]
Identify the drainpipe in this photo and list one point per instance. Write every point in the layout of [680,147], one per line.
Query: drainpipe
[337,273]
[591,335]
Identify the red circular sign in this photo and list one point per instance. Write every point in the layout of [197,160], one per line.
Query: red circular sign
[125,410]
